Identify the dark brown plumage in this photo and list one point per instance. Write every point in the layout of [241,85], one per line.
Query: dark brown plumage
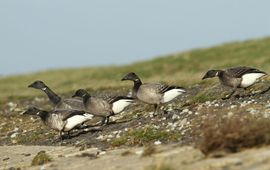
[60,120]
[238,77]
[153,93]
[58,102]
[103,107]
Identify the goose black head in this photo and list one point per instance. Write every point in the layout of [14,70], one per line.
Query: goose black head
[211,74]
[81,93]
[38,85]
[131,76]
[36,112]
[31,111]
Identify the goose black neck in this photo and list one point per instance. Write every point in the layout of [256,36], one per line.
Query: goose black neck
[220,73]
[43,115]
[137,84]
[86,98]
[54,98]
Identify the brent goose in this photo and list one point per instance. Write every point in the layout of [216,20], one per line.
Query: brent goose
[238,77]
[59,103]
[153,93]
[60,120]
[103,107]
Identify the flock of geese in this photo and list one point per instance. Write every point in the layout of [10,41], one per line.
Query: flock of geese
[82,107]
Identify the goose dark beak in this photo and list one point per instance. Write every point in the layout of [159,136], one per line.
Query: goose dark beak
[124,78]
[31,85]
[27,113]
[205,77]
[74,96]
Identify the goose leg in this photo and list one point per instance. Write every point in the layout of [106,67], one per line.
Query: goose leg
[60,136]
[156,109]
[230,95]
[105,120]
[68,135]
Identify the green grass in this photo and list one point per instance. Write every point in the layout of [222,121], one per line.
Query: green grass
[41,158]
[144,136]
[181,68]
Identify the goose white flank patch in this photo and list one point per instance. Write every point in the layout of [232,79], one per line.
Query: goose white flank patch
[105,106]
[153,93]
[120,105]
[237,77]
[171,94]
[77,119]
[250,78]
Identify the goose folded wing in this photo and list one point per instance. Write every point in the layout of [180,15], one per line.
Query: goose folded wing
[72,113]
[113,99]
[238,72]
[75,102]
[164,88]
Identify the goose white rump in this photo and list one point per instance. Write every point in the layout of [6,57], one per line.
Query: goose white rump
[120,105]
[250,79]
[171,94]
[76,120]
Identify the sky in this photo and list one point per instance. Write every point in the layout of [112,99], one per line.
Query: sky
[48,34]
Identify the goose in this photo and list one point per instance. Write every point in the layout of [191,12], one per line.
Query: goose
[60,120]
[58,102]
[153,93]
[103,107]
[237,77]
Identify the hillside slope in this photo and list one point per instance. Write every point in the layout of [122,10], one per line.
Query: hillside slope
[199,124]
[180,68]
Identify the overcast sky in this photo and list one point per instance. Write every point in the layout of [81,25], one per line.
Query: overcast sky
[43,34]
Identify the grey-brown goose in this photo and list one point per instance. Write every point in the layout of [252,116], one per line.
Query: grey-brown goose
[58,102]
[153,93]
[105,106]
[60,120]
[237,77]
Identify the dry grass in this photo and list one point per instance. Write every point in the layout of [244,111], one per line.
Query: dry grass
[231,134]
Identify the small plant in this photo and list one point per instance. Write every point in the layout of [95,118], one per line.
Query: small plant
[41,158]
[119,141]
[204,96]
[231,133]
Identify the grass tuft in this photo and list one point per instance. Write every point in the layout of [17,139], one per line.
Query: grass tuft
[144,136]
[41,158]
[231,134]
